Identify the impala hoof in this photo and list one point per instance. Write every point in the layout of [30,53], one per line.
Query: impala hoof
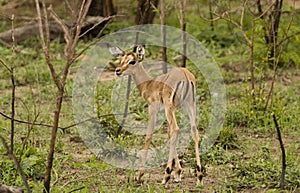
[177,179]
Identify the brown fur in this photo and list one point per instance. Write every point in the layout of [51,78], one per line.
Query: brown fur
[171,90]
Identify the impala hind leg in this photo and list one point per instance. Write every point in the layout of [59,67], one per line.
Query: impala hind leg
[195,135]
[173,136]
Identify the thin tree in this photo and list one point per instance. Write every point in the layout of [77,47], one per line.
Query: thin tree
[248,38]
[277,52]
[182,4]
[212,27]
[72,35]
[10,149]
[163,36]
[145,15]
[272,16]
[13,90]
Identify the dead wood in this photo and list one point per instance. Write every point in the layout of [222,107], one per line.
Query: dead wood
[31,30]
[10,189]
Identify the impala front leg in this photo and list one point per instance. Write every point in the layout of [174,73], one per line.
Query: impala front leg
[152,110]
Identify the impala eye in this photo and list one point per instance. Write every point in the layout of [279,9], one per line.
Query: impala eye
[131,62]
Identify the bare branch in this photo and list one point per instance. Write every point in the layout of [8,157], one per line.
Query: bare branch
[71,10]
[13,89]
[61,23]
[263,13]
[38,9]
[82,14]
[100,21]
[17,164]
[45,47]
[283,157]
[5,65]
[24,122]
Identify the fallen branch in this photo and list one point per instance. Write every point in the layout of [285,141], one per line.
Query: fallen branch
[9,189]
[30,30]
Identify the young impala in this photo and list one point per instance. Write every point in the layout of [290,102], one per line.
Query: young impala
[171,90]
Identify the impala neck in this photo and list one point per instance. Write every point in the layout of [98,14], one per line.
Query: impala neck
[140,76]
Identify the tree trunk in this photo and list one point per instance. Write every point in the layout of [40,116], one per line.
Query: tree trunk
[271,31]
[274,26]
[102,8]
[145,11]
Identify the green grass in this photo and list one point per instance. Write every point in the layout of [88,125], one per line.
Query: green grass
[245,158]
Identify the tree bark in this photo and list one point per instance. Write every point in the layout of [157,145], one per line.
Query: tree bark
[9,189]
[274,26]
[102,8]
[146,11]
[273,21]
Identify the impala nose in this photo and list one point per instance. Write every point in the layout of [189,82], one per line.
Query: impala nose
[118,71]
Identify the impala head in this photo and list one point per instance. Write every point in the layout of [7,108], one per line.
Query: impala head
[129,60]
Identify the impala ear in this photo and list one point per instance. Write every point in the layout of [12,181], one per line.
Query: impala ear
[116,52]
[140,50]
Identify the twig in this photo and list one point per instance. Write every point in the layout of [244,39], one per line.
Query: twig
[56,178]
[13,89]
[283,160]
[70,9]
[76,189]
[9,46]
[63,128]
[61,23]
[5,65]
[211,15]
[25,122]
[96,24]
[17,164]
[30,128]
[263,13]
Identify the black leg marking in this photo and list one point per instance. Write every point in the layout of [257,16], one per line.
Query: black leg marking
[168,170]
[198,169]
[199,173]
[168,178]
[186,88]
[173,163]
[176,90]
[193,91]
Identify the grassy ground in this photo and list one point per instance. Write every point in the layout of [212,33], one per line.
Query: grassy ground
[245,158]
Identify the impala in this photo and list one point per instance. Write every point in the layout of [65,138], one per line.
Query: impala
[171,90]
